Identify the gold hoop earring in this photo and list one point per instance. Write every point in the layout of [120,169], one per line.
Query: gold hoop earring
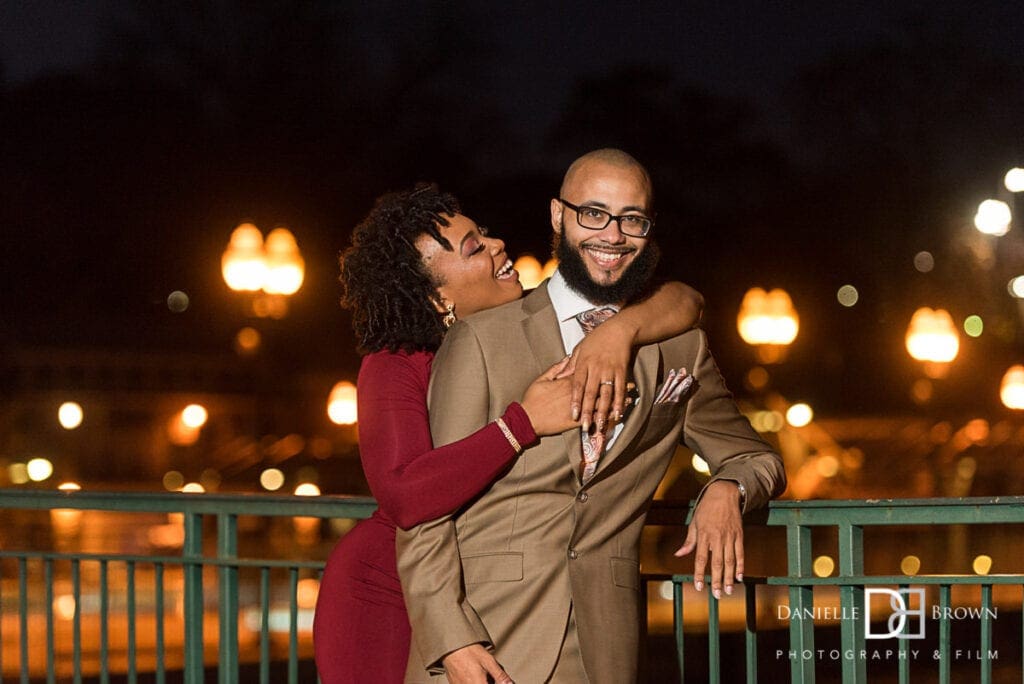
[449,318]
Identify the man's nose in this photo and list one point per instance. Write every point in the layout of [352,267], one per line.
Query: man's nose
[612,233]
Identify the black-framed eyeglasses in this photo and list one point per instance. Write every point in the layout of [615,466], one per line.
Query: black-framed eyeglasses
[593,218]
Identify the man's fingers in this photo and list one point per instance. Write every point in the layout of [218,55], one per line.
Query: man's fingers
[738,545]
[495,671]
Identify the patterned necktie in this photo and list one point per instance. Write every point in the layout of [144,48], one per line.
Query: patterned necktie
[593,444]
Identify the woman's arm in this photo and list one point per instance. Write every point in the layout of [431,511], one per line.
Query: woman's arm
[605,353]
[414,482]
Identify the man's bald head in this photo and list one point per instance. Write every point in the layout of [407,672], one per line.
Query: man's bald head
[612,157]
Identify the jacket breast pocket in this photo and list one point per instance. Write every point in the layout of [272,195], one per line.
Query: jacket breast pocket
[493,567]
[626,573]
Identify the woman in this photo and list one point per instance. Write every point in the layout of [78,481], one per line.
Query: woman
[414,265]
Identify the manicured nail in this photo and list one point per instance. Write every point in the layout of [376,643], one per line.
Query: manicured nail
[717,593]
[739,576]
[575,412]
[698,585]
[615,415]
[728,589]
[600,426]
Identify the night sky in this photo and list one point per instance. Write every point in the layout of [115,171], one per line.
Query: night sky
[798,148]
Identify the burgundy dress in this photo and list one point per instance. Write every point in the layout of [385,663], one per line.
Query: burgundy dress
[360,630]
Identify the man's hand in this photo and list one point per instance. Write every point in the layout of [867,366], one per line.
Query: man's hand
[716,530]
[472,664]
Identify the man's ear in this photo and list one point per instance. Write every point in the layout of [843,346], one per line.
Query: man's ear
[556,215]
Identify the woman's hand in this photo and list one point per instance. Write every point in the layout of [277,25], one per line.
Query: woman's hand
[598,368]
[547,400]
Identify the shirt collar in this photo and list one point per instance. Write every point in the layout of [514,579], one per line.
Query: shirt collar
[566,301]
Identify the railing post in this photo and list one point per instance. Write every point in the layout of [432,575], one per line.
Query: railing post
[801,600]
[192,552]
[851,601]
[227,548]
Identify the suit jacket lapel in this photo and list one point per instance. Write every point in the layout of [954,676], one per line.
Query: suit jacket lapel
[543,333]
[645,373]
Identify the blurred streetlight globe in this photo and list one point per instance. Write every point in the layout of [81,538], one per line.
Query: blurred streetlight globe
[993,217]
[1011,391]
[767,317]
[194,416]
[530,271]
[243,264]
[70,415]
[341,404]
[285,266]
[932,336]
[1014,180]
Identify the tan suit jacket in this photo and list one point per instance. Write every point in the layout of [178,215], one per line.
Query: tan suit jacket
[505,570]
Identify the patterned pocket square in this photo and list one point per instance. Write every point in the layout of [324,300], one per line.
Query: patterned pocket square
[676,384]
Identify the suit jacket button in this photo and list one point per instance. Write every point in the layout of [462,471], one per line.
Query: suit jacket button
[582,497]
[573,555]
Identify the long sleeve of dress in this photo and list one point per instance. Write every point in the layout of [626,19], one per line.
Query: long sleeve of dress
[412,481]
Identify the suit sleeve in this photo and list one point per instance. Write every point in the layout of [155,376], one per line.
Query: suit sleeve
[715,429]
[412,481]
[428,556]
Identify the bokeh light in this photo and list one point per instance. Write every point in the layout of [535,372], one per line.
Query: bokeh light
[243,265]
[767,317]
[974,326]
[18,473]
[194,416]
[982,564]
[1016,287]
[1011,390]
[69,487]
[530,271]
[827,465]
[177,301]
[757,378]
[272,479]
[799,415]
[847,295]
[910,565]
[700,465]
[247,341]
[193,488]
[1014,180]
[173,480]
[931,336]
[39,469]
[70,415]
[993,217]
[307,489]
[341,404]
[924,262]
[824,566]
[285,267]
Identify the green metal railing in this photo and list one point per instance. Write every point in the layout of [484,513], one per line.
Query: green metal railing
[135,595]
[848,521]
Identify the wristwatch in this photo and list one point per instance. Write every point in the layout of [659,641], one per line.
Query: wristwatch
[743,494]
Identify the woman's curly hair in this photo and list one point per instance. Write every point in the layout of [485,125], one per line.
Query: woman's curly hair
[383,279]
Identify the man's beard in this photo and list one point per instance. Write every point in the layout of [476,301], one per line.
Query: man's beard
[634,280]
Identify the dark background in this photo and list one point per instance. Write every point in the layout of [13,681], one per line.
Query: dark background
[802,149]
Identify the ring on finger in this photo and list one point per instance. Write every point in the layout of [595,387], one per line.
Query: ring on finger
[607,382]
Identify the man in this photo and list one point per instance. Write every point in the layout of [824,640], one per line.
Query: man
[543,567]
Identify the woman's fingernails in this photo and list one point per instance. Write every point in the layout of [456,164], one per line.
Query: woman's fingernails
[575,412]
[698,585]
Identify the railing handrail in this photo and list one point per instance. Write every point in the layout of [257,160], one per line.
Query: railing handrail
[202,504]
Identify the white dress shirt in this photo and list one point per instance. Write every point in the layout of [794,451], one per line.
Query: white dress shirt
[568,304]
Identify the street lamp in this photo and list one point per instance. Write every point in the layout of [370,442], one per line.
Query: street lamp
[768,321]
[274,266]
[341,404]
[932,337]
[531,273]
